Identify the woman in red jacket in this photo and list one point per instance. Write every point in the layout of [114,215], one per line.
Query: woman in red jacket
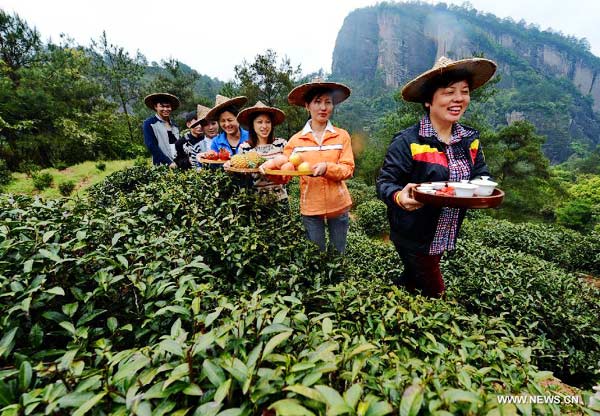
[438,148]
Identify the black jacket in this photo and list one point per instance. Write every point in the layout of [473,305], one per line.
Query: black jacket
[184,150]
[411,158]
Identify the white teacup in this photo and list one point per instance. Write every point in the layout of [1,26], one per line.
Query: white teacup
[484,187]
[463,189]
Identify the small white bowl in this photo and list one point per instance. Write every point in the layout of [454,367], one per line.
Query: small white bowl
[484,187]
[438,185]
[463,189]
[426,190]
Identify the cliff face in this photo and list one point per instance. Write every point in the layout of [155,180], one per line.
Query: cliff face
[401,46]
[394,43]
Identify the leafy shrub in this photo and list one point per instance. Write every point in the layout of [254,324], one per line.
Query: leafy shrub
[155,299]
[556,310]
[29,167]
[371,257]
[360,192]
[60,165]
[101,166]
[372,217]
[141,161]
[42,180]
[567,248]
[578,214]
[5,174]
[66,188]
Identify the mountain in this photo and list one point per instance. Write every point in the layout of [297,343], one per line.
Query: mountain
[547,78]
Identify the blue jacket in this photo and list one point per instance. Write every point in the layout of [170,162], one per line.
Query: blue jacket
[221,141]
[157,140]
[411,158]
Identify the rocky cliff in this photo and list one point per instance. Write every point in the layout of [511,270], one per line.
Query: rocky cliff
[392,43]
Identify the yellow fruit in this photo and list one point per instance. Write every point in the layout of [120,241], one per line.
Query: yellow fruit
[288,166]
[296,159]
[239,161]
[253,157]
[304,167]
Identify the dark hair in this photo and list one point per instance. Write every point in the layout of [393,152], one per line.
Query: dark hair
[315,92]
[232,109]
[252,136]
[443,81]
[192,115]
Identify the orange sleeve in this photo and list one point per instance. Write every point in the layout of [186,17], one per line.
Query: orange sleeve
[344,168]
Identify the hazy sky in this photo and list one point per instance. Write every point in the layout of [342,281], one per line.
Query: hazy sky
[213,36]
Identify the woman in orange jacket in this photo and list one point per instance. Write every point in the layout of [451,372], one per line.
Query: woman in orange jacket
[324,197]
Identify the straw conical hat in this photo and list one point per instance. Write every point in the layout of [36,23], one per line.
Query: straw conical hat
[201,112]
[298,94]
[245,115]
[222,102]
[152,99]
[480,70]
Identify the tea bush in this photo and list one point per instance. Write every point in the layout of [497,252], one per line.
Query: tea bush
[179,293]
[372,217]
[66,188]
[360,192]
[60,165]
[5,174]
[42,180]
[366,257]
[567,248]
[554,308]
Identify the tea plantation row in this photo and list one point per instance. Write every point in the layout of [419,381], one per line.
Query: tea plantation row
[182,294]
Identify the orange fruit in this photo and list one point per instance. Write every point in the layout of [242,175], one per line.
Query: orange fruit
[304,167]
[296,159]
[288,166]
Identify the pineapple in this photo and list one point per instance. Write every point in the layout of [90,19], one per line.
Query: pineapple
[239,161]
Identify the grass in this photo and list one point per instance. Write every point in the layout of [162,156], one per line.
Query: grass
[84,175]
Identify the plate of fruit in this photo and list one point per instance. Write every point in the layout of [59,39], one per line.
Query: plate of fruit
[244,163]
[283,166]
[216,158]
[456,195]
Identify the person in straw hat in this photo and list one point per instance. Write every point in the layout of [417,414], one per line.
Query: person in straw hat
[194,141]
[225,112]
[261,120]
[160,133]
[437,148]
[324,197]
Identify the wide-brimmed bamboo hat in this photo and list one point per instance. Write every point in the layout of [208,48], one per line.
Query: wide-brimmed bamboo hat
[245,115]
[152,99]
[201,113]
[222,102]
[480,71]
[298,94]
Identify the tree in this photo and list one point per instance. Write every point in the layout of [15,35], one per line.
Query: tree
[515,158]
[19,44]
[177,79]
[121,75]
[267,81]
[56,113]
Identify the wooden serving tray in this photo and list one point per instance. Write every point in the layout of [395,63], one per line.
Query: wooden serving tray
[286,172]
[475,202]
[241,170]
[212,162]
